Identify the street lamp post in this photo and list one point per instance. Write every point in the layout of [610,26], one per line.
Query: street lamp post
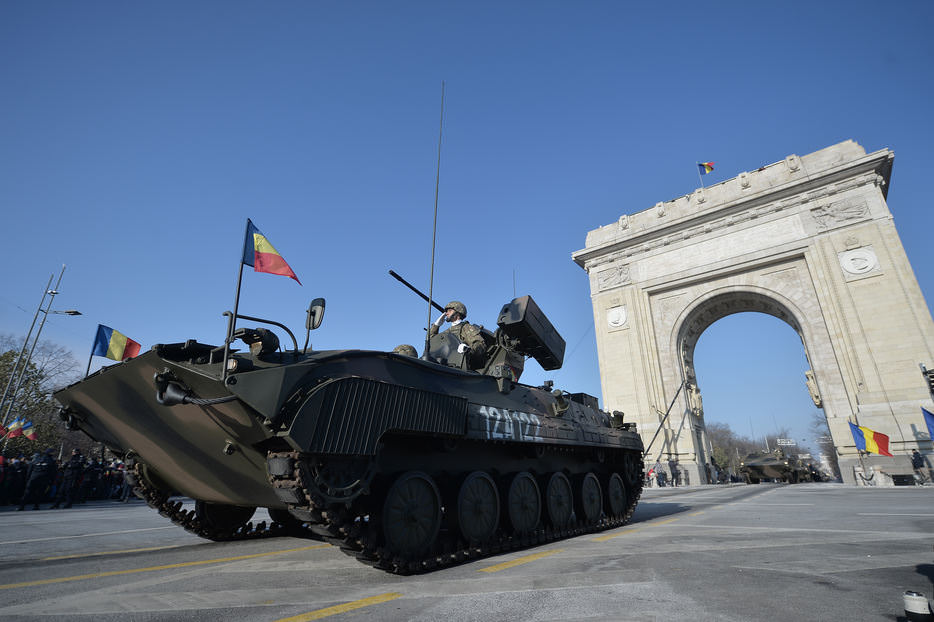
[19,359]
[22,372]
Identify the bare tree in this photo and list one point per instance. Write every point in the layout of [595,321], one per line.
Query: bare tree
[729,448]
[50,367]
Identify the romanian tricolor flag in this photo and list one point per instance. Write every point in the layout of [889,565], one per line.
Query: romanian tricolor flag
[259,253]
[868,440]
[29,430]
[705,167]
[16,428]
[113,344]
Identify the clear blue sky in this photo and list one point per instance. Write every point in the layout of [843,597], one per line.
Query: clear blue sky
[136,138]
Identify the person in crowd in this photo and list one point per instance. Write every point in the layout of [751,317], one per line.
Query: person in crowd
[675,471]
[92,476]
[41,471]
[71,479]
[918,464]
[17,477]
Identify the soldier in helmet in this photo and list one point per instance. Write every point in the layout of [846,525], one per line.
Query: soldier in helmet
[456,313]
[405,350]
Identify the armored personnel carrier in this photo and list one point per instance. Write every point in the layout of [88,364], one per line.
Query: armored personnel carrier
[775,466]
[406,463]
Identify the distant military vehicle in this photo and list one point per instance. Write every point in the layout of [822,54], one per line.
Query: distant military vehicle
[406,463]
[775,466]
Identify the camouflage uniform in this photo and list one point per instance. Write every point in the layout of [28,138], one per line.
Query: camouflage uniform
[469,334]
[463,330]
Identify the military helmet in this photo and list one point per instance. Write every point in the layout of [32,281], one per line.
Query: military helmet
[405,350]
[458,307]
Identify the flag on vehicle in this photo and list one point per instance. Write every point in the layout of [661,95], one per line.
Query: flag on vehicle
[263,256]
[871,441]
[705,167]
[113,344]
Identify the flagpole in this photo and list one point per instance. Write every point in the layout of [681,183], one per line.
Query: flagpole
[699,178]
[859,454]
[232,321]
[87,372]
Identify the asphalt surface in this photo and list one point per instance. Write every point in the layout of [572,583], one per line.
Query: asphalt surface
[744,553]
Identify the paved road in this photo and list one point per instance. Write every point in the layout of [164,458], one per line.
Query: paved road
[745,553]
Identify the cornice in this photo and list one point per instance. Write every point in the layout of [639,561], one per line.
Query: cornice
[874,168]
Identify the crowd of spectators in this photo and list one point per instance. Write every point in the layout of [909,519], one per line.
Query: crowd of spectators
[43,479]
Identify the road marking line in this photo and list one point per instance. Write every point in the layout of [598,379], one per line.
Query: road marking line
[151,548]
[114,573]
[88,535]
[330,611]
[696,513]
[629,531]
[884,514]
[519,561]
[776,504]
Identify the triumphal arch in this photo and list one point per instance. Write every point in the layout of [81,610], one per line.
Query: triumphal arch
[809,240]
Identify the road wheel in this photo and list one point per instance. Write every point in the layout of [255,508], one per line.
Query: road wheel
[523,503]
[559,500]
[411,514]
[477,508]
[589,499]
[616,497]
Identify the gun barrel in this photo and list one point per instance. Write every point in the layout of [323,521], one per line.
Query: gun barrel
[416,290]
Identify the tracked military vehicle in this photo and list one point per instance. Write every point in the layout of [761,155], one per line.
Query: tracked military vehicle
[775,466]
[406,463]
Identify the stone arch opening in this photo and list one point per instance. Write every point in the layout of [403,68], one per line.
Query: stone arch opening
[718,305]
[694,323]
[696,317]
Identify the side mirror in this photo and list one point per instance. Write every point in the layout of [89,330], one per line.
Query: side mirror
[315,314]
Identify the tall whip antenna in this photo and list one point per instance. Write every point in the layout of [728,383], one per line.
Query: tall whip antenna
[434,227]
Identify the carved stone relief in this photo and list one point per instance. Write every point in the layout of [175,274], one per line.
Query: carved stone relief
[612,277]
[836,214]
[812,388]
[859,260]
[668,308]
[616,316]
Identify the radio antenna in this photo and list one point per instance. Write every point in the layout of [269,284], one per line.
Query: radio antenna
[434,227]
